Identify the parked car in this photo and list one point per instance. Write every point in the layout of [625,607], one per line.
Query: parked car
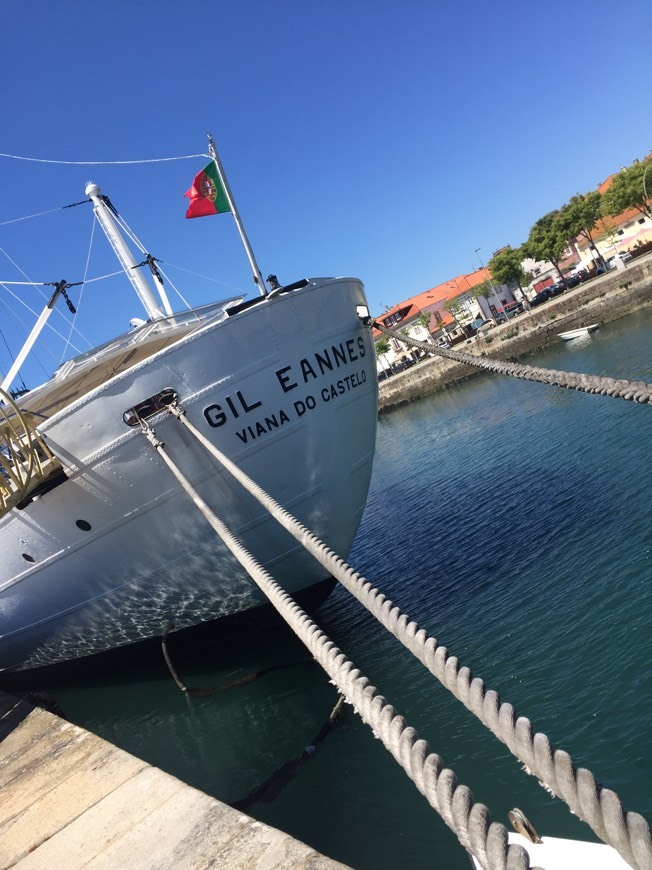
[403,364]
[557,288]
[625,256]
[542,296]
[487,325]
[511,309]
[573,281]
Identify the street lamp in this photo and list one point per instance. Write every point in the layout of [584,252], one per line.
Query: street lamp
[477,250]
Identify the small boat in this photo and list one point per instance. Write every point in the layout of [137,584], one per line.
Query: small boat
[101,547]
[558,853]
[581,332]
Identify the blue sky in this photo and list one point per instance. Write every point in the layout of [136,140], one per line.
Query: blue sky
[386,140]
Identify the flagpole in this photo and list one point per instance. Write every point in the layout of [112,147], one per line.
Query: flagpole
[258,278]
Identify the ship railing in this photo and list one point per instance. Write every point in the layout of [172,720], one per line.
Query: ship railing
[25,459]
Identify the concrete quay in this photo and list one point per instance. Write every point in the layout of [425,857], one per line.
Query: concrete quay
[69,799]
[601,300]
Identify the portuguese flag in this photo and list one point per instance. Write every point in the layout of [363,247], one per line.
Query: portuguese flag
[207,194]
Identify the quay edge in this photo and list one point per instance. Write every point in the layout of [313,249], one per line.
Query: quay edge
[70,799]
[602,300]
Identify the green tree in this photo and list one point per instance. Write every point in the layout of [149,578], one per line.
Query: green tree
[580,216]
[548,240]
[627,191]
[455,310]
[612,239]
[382,348]
[424,320]
[507,268]
[382,345]
[485,289]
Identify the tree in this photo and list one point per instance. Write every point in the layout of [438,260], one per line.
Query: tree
[424,320]
[507,268]
[485,289]
[580,216]
[627,191]
[547,240]
[382,345]
[382,348]
[455,310]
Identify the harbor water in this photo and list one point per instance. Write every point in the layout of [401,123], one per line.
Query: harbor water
[512,521]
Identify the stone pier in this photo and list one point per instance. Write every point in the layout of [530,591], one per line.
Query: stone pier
[69,799]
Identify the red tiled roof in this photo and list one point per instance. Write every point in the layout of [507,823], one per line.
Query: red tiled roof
[434,299]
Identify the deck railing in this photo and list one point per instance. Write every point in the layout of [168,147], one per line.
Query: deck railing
[25,459]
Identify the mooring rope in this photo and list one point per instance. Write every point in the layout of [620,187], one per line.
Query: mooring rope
[599,807]
[617,388]
[471,822]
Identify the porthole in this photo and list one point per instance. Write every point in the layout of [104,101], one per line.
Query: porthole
[28,558]
[84,525]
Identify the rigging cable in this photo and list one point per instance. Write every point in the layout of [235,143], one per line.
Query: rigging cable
[81,292]
[46,283]
[102,162]
[12,357]
[35,313]
[40,213]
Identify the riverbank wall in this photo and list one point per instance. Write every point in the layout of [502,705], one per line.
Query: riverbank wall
[602,300]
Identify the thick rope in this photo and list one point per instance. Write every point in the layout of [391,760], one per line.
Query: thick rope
[617,388]
[471,822]
[599,807]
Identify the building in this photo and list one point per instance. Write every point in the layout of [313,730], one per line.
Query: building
[626,232]
[630,232]
[441,315]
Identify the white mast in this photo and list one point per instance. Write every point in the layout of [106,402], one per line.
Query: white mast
[258,278]
[108,224]
[34,334]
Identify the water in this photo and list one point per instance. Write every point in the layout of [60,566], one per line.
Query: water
[512,520]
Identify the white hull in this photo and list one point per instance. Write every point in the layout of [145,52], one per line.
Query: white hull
[578,333]
[286,388]
[554,853]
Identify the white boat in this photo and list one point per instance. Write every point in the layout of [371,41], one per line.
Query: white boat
[578,333]
[101,547]
[556,853]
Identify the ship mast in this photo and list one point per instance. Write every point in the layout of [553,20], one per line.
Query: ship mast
[60,288]
[131,267]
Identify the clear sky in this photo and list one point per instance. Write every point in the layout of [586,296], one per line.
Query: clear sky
[386,139]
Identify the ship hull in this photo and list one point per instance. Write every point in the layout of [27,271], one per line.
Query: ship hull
[117,553]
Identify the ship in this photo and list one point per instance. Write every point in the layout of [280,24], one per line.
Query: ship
[101,547]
